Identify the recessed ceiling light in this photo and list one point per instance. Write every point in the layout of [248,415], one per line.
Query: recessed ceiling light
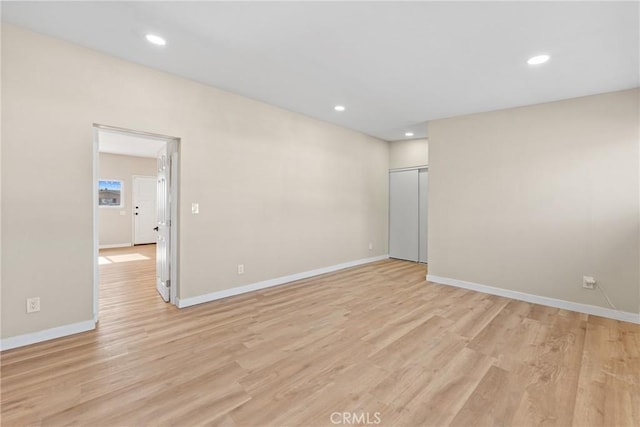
[408,134]
[339,108]
[537,60]
[152,38]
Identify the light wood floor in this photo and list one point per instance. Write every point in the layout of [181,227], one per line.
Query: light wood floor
[371,339]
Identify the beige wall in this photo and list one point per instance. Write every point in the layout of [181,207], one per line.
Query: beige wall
[531,199]
[114,228]
[278,192]
[407,154]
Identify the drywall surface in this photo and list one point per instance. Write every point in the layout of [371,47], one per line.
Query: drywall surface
[408,154]
[532,199]
[114,228]
[279,192]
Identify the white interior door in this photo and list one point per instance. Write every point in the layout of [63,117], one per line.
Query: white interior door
[144,209]
[422,184]
[163,227]
[403,215]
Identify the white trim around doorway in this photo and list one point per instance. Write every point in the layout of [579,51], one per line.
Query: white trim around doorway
[171,141]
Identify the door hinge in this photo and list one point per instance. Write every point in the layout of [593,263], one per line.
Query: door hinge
[168,283]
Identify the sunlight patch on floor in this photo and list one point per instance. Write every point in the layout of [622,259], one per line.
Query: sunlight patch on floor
[121,258]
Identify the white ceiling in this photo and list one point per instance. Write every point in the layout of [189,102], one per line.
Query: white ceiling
[128,145]
[394,65]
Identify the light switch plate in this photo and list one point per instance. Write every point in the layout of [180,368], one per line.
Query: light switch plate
[195,208]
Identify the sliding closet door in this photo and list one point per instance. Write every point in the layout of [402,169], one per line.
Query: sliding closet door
[403,215]
[423,181]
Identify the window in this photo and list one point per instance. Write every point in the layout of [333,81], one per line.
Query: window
[110,193]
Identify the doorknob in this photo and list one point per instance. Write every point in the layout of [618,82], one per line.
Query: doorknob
[155,228]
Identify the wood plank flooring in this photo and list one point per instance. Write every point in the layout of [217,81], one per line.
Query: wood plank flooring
[371,343]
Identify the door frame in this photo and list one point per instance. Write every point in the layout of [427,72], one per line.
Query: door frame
[174,144]
[423,216]
[133,216]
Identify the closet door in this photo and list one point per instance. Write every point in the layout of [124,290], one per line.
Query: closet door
[403,215]
[423,181]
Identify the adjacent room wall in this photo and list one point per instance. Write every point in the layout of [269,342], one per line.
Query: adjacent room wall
[532,199]
[113,227]
[279,192]
[407,154]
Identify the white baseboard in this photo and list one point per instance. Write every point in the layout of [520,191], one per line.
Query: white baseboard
[116,245]
[537,299]
[186,302]
[46,335]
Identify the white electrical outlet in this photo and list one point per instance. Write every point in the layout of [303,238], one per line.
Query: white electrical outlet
[33,305]
[240,268]
[588,282]
[370,246]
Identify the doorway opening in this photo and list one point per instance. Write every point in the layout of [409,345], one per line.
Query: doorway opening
[135,222]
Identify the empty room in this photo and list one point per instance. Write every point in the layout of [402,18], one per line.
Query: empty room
[250,214]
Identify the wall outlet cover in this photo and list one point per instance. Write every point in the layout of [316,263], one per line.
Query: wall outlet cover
[33,305]
[588,282]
